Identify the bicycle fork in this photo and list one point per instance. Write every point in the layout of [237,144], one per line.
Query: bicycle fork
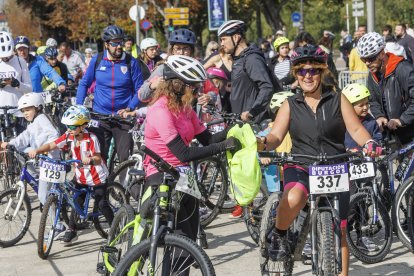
[21,191]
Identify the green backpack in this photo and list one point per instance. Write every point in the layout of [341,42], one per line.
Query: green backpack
[245,172]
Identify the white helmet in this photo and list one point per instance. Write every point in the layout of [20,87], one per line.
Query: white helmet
[231,27]
[370,45]
[6,45]
[185,68]
[148,42]
[30,99]
[51,42]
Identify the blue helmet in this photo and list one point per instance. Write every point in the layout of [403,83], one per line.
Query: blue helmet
[51,52]
[183,36]
[112,32]
[21,41]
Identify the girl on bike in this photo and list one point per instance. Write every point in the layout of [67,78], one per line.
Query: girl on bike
[85,147]
[39,131]
[317,119]
[171,126]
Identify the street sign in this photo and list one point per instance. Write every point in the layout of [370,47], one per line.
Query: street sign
[146,25]
[177,16]
[358,13]
[133,12]
[296,17]
[358,5]
[176,10]
[177,22]
[296,24]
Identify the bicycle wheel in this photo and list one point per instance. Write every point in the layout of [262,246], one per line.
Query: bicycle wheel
[10,169]
[399,212]
[13,228]
[369,230]
[116,199]
[121,241]
[254,212]
[267,266]
[47,227]
[176,256]
[121,169]
[213,184]
[325,243]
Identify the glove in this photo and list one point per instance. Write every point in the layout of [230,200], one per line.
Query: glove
[232,144]
[372,148]
[15,82]
[2,83]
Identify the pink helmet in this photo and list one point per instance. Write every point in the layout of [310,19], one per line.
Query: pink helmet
[214,72]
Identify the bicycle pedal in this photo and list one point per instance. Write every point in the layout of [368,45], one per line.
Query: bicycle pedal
[108,249]
[100,268]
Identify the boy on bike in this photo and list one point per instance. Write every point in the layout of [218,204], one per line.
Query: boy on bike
[84,146]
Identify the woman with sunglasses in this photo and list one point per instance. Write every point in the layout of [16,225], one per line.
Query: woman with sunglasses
[317,119]
[171,126]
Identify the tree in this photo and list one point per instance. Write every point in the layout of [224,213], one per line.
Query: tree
[30,27]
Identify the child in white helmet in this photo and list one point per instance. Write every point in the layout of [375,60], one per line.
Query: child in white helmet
[39,131]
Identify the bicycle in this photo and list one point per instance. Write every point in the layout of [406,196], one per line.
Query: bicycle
[60,198]
[320,216]
[157,213]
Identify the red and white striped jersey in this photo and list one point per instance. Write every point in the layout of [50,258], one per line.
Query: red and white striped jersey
[90,175]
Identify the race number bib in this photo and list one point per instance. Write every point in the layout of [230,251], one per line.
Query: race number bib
[328,179]
[47,97]
[187,183]
[51,172]
[363,170]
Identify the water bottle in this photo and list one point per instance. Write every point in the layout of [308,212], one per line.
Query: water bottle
[272,176]
[402,168]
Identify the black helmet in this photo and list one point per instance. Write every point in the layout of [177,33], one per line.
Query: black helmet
[183,36]
[112,32]
[51,52]
[308,52]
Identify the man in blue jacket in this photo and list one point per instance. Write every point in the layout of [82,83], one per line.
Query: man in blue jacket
[118,78]
[38,67]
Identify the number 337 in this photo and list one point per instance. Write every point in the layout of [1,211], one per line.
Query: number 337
[328,181]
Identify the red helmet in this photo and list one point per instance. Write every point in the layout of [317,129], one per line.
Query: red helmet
[214,72]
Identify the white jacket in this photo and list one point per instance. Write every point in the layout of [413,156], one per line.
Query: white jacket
[38,133]
[16,67]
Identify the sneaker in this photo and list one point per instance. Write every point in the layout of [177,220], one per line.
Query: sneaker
[278,247]
[237,212]
[70,236]
[60,230]
[367,244]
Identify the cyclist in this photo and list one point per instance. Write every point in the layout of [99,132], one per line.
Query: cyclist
[149,52]
[38,67]
[73,60]
[391,83]
[317,120]
[51,54]
[39,131]
[84,146]
[130,47]
[252,86]
[280,64]
[118,78]
[182,42]
[50,42]
[15,79]
[171,126]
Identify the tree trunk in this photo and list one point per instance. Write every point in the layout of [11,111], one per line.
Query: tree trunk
[271,11]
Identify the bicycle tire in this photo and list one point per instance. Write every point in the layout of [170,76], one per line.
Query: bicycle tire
[124,165]
[325,243]
[124,215]
[267,266]
[402,197]
[360,206]
[117,192]
[254,212]
[208,191]
[5,197]
[43,249]
[180,243]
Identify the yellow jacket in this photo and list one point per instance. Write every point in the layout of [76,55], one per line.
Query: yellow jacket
[356,64]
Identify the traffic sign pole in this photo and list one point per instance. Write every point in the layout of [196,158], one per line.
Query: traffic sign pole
[137,26]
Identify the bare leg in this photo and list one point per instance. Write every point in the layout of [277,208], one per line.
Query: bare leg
[293,200]
[345,253]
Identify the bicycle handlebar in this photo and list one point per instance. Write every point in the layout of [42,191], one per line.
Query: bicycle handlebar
[63,162]
[7,107]
[283,157]
[113,118]
[161,163]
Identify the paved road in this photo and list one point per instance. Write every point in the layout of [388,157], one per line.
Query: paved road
[230,248]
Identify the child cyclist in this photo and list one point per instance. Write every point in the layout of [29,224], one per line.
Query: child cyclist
[85,147]
[358,94]
[39,131]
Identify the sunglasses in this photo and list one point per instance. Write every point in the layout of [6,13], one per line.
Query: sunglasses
[215,49]
[370,59]
[194,89]
[312,72]
[116,44]
[72,127]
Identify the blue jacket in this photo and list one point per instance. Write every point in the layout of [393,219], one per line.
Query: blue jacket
[371,126]
[115,89]
[38,67]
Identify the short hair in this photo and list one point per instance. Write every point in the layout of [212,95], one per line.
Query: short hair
[390,38]
[129,38]
[304,37]
[403,26]
[362,26]
[387,28]
[64,44]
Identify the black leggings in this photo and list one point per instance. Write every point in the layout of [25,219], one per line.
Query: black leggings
[101,200]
